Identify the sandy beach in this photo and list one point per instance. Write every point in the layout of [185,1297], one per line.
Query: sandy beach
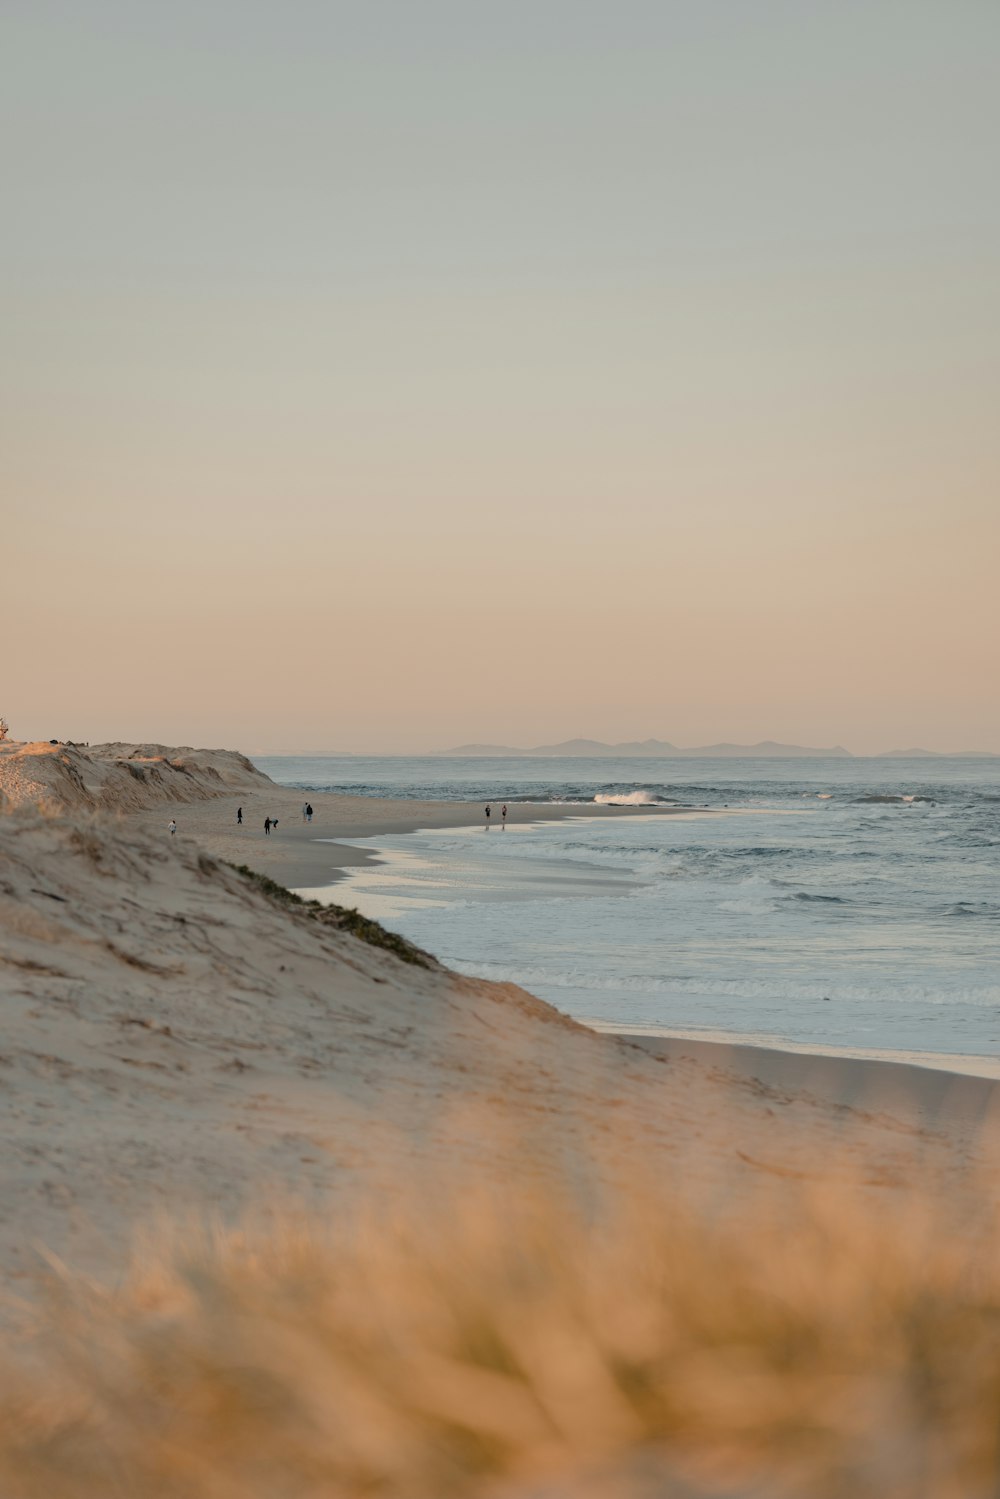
[307,856]
[184,1045]
[965,1106]
[168,1000]
[205,1045]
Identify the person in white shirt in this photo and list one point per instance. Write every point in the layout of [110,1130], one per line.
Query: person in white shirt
[171,826]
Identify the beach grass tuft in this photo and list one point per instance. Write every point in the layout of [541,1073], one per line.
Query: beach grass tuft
[341,918]
[817,1347]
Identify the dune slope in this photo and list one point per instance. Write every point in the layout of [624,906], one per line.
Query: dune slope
[120,777]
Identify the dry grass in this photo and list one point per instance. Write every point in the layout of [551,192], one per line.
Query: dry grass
[340,918]
[822,1344]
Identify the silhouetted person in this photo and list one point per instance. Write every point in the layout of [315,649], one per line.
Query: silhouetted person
[503,817]
[239,817]
[309,812]
[487,816]
[267,827]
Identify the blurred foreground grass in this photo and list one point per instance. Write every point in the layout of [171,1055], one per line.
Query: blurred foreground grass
[820,1342]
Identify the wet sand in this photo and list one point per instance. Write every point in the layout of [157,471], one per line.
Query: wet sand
[296,853]
[915,1097]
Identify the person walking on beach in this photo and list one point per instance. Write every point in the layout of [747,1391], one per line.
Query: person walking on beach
[487,816]
[305,811]
[239,817]
[267,827]
[503,818]
[309,812]
[171,827]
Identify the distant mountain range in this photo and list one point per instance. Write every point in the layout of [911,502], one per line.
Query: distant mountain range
[767,749]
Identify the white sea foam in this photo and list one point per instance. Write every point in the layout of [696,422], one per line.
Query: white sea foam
[627,799]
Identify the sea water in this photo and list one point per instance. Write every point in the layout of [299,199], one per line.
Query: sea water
[843,903]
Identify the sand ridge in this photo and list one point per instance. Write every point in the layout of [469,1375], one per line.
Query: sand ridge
[119,777]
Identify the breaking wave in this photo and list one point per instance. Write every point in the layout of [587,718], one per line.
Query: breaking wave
[627,799]
[882,798]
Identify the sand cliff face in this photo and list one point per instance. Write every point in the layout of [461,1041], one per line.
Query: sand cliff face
[120,777]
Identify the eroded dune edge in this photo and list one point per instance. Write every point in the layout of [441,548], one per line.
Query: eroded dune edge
[288,1212]
[119,777]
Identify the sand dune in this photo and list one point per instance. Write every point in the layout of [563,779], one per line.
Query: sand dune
[119,777]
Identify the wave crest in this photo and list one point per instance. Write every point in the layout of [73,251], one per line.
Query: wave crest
[627,799]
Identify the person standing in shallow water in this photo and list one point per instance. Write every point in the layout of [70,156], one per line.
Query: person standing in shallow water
[267,827]
[503,818]
[239,817]
[487,816]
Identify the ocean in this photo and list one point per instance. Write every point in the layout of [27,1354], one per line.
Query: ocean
[849,904]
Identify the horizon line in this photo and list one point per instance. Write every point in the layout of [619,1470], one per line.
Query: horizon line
[487,750]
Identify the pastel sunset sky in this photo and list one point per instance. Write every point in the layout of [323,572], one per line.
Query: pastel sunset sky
[381,376]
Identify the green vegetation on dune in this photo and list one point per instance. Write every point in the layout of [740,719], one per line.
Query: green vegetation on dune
[341,918]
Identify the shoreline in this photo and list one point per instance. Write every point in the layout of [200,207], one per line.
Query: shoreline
[760,1055]
[918,1096]
[961,1064]
[309,857]
[304,855]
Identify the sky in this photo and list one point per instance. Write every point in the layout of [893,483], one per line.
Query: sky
[385,376]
